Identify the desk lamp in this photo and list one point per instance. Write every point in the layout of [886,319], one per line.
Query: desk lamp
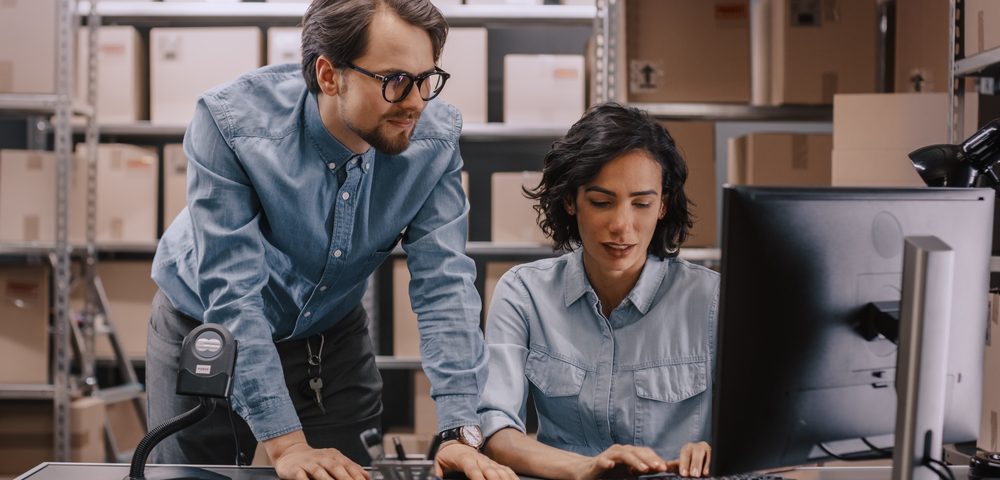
[968,164]
[208,359]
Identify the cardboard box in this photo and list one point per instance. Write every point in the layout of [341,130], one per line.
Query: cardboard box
[780,159]
[126,425]
[922,46]
[494,270]
[819,49]
[26,433]
[185,62]
[424,414]
[989,429]
[24,324]
[284,45]
[464,57]
[121,83]
[512,215]
[688,50]
[28,198]
[127,191]
[174,182]
[887,167]
[543,89]
[696,143]
[130,293]
[28,46]
[889,121]
[982,26]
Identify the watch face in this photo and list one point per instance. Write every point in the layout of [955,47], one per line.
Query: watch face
[472,436]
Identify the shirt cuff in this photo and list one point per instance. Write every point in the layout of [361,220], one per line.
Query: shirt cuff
[495,420]
[456,411]
[273,420]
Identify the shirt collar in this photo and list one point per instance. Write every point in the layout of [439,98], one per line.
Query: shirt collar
[576,284]
[330,149]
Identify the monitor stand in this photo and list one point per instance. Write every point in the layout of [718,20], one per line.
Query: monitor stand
[922,359]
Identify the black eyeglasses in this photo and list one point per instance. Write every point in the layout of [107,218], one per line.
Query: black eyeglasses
[396,86]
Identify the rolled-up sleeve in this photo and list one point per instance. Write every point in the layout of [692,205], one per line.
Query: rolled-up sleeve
[225,214]
[504,400]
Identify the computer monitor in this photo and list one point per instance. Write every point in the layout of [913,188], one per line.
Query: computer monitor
[798,268]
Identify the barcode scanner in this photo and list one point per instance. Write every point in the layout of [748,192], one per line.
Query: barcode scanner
[207,363]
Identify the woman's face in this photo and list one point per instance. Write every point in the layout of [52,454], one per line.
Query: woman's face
[617,212]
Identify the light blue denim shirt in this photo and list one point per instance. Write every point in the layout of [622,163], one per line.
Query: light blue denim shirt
[274,246]
[640,377]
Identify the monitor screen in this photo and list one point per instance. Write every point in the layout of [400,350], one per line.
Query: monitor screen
[798,268]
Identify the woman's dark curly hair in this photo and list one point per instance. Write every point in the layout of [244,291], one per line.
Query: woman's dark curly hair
[606,132]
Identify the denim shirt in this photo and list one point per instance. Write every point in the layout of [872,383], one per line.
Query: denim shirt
[284,224]
[641,376]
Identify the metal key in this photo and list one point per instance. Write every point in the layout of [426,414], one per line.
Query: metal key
[316,384]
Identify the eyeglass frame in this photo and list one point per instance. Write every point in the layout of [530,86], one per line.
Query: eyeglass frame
[417,80]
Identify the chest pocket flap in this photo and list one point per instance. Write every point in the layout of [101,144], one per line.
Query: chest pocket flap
[554,377]
[672,383]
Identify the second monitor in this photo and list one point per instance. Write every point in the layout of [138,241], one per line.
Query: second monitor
[799,269]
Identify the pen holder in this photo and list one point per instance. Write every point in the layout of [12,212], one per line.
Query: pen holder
[403,470]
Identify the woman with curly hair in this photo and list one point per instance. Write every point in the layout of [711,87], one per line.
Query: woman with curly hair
[615,340]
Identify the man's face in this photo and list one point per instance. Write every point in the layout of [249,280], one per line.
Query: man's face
[393,46]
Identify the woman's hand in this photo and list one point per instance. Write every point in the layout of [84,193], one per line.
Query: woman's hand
[628,459]
[693,461]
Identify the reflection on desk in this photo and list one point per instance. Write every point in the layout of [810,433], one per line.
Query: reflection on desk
[118,471]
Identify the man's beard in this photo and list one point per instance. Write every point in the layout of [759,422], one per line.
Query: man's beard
[382,141]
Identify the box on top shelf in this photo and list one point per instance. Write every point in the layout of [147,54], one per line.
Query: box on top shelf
[24,324]
[696,142]
[28,48]
[781,159]
[819,49]
[284,45]
[121,82]
[543,89]
[464,57]
[688,50]
[922,46]
[185,62]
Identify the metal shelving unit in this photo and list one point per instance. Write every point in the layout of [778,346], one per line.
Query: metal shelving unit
[737,112]
[210,14]
[984,64]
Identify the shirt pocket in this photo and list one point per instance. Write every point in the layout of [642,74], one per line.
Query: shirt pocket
[670,398]
[556,386]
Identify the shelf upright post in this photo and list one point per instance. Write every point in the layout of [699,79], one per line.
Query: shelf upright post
[63,148]
[90,256]
[956,85]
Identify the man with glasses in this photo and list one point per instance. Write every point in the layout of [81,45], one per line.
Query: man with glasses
[301,181]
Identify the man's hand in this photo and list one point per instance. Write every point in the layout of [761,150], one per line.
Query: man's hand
[635,460]
[694,460]
[294,459]
[457,457]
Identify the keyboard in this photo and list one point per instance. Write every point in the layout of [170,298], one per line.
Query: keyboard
[741,476]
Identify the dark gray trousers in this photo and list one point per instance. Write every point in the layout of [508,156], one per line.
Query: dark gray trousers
[352,392]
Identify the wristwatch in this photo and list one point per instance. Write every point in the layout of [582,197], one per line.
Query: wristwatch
[470,435]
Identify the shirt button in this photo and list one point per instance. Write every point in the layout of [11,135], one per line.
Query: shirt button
[345,195]
[354,161]
[307,314]
[323,288]
[331,166]
[337,253]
